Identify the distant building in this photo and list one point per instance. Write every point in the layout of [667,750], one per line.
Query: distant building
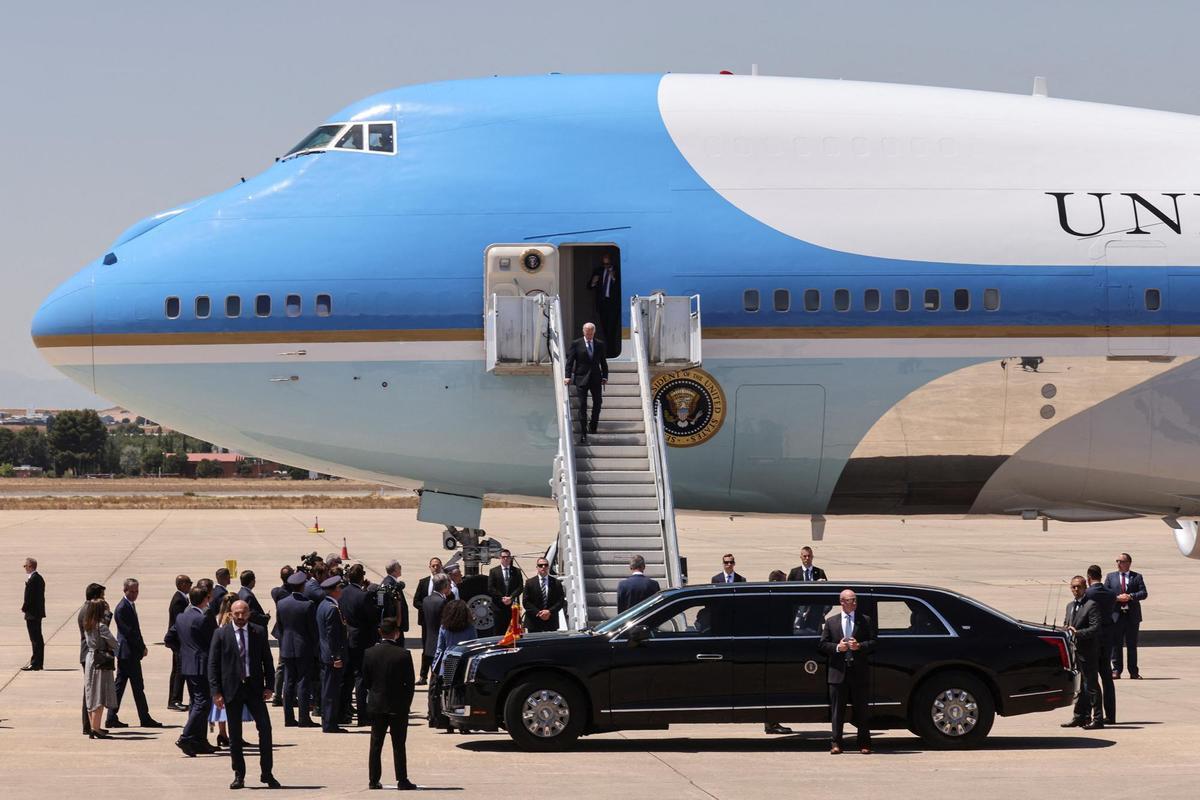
[229,464]
[26,471]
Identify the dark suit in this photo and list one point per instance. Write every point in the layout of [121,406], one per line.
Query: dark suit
[297,649]
[815,574]
[1084,616]
[1129,617]
[720,578]
[277,594]
[431,609]
[331,628]
[243,688]
[1105,601]
[587,371]
[34,609]
[214,602]
[194,631]
[179,602]
[131,648]
[499,588]
[388,682]
[605,284]
[534,601]
[634,589]
[419,604]
[362,631]
[849,673]
[258,616]
[395,608]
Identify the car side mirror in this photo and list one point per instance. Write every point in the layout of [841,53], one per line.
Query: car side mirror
[638,635]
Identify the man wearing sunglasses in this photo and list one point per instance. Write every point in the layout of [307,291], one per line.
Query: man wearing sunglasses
[543,599]
[727,573]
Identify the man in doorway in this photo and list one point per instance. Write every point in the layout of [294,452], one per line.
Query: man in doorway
[587,369]
[847,639]
[606,297]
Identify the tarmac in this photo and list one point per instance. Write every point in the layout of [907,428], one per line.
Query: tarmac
[1010,564]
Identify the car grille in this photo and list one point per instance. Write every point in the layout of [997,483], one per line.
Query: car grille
[451,666]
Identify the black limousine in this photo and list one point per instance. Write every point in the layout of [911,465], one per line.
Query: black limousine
[943,667]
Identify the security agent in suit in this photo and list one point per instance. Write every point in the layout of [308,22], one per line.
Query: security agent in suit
[637,587]
[131,649]
[34,609]
[220,589]
[1106,601]
[192,634]
[297,650]
[258,616]
[1082,621]
[387,679]
[587,370]
[605,285]
[423,591]
[505,583]
[1130,589]
[847,639]
[278,593]
[806,571]
[727,573]
[179,603]
[394,603]
[362,631]
[335,652]
[431,609]
[240,671]
[543,599]
[94,591]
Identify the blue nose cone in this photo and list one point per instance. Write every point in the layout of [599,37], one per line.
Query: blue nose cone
[62,327]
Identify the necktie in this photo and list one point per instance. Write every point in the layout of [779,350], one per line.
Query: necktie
[728,578]
[807,573]
[1122,583]
[545,591]
[608,282]
[241,640]
[506,580]
[589,347]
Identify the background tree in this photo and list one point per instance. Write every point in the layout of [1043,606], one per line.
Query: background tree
[7,438]
[131,459]
[77,438]
[31,448]
[175,464]
[209,469]
[152,461]
[297,473]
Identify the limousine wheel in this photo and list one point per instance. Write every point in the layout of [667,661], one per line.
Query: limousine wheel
[953,710]
[544,712]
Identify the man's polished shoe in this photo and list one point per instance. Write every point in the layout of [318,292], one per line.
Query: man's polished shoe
[238,783]
[583,439]
[30,668]
[334,730]
[205,748]
[151,723]
[375,785]
[835,750]
[176,707]
[422,682]
[307,723]
[1076,722]
[777,729]
[592,427]
[116,723]
[270,782]
[186,747]
[406,784]
[866,751]
[1094,725]
[1137,677]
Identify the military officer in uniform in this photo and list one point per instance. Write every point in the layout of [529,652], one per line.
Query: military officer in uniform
[331,628]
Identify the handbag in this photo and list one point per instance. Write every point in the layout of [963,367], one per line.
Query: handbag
[104,659]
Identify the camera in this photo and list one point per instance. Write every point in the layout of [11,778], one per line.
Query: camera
[307,562]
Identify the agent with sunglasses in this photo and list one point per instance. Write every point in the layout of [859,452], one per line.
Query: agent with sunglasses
[727,574]
[543,599]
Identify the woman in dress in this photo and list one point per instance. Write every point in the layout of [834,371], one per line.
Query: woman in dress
[218,716]
[456,628]
[99,667]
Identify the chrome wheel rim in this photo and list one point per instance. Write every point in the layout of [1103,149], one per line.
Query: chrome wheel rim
[545,713]
[955,712]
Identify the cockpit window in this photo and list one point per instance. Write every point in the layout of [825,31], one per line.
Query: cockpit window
[380,137]
[351,139]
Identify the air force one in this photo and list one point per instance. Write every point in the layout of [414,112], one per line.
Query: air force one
[892,299]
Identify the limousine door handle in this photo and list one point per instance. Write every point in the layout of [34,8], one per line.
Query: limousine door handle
[709,656]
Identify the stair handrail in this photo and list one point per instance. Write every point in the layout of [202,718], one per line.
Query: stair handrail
[655,440]
[577,616]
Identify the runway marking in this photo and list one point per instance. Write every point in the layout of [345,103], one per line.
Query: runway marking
[662,761]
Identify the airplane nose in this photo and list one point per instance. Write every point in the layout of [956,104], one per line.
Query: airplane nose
[62,327]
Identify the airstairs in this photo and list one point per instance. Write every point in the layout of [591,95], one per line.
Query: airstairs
[613,494]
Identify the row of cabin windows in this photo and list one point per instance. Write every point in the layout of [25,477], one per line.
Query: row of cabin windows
[293,306]
[872,300]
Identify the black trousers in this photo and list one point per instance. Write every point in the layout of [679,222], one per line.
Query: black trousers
[197,720]
[34,626]
[278,683]
[253,700]
[854,692]
[1087,702]
[582,392]
[425,660]
[295,689]
[175,682]
[360,696]
[331,695]
[1125,632]
[381,724]
[129,671]
[1108,689]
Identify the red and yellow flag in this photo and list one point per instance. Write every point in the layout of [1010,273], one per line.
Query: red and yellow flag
[515,631]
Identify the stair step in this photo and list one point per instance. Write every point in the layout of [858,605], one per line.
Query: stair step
[598,614]
[606,578]
[622,366]
[619,389]
[602,439]
[619,504]
[616,426]
[615,490]
[584,477]
[610,402]
[626,517]
[614,414]
[594,449]
[590,530]
[612,464]
[627,544]
[620,558]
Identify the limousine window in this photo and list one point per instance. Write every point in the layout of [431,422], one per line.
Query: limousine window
[907,617]
[621,620]
[699,616]
[800,615]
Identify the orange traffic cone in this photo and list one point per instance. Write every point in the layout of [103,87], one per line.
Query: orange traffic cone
[345,552]
[515,631]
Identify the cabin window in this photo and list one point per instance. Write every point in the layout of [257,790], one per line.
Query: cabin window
[352,139]
[871,300]
[172,308]
[812,299]
[1153,300]
[203,307]
[381,137]
[962,300]
[293,305]
[841,299]
[750,300]
[783,300]
[233,306]
[933,299]
[324,305]
[901,300]
[991,299]
[262,305]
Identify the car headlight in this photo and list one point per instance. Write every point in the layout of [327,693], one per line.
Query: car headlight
[474,661]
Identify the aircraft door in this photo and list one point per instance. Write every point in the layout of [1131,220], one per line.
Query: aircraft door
[1136,297]
[513,270]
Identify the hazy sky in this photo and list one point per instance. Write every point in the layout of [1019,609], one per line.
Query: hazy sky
[113,111]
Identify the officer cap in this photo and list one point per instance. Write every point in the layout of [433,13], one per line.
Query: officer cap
[297,579]
[331,583]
